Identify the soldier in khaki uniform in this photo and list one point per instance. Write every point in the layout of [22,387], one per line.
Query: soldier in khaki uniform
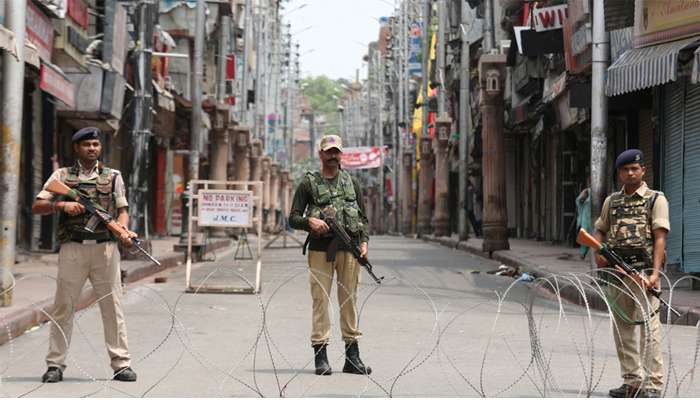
[635,223]
[85,254]
[335,188]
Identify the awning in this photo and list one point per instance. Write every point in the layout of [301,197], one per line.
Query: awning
[645,67]
[696,67]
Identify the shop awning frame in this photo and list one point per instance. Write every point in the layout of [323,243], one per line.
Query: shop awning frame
[645,67]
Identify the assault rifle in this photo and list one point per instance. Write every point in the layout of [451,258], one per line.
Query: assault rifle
[614,259]
[98,214]
[328,216]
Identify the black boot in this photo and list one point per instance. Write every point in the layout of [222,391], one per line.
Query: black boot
[353,363]
[321,360]
[52,375]
[625,390]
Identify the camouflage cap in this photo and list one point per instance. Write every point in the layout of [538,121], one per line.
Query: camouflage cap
[330,141]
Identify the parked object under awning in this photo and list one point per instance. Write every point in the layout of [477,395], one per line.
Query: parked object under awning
[645,67]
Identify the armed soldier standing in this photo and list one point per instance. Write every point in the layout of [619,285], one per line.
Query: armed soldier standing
[335,188]
[86,254]
[635,223]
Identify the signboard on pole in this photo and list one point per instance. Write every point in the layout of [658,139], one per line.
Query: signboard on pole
[225,208]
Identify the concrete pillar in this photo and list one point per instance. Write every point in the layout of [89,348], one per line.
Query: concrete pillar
[219,165]
[274,196]
[255,169]
[407,193]
[241,155]
[265,177]
[425,179]
[495,225]
[442,176]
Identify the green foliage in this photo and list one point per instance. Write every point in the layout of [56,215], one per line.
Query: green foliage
[321,91]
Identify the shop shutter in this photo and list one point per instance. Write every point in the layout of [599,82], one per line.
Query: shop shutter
[691,181]
[673,167]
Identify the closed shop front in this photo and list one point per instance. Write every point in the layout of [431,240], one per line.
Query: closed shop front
[681,172]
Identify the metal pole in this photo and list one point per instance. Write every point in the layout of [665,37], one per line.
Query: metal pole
[426,64]
[142,121]
[442,26]
[464,125]
[380,132]
[244,73]
[599,109]
[489,34]
[10,145]
[196,85]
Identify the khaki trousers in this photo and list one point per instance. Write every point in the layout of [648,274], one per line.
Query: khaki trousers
[321,279]
[639,353]
[76,263]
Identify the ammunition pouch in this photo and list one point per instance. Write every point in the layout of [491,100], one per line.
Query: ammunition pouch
[637,257]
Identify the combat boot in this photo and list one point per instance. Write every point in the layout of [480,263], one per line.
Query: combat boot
[321,360]
[353,363]
[625,391]
[125,375]
[52,375]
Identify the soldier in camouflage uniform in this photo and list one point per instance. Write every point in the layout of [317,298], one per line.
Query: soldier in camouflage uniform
[335,188]
[85,254]
[635,223]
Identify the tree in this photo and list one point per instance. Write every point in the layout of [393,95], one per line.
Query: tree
[323,94]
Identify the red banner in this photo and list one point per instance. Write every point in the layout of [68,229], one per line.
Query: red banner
[361,158]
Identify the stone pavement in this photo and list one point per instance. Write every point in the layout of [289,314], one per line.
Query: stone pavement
[542,260]
[35,283]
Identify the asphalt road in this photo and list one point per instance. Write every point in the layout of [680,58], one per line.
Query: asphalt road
[437,326]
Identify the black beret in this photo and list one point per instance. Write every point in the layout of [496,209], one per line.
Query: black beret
[630,156]
[86,133]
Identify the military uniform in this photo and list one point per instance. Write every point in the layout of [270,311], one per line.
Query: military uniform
[340,196]
[628,221]
[343,194]
[86,255]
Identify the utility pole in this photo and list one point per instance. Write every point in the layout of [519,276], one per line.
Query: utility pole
[196,84]
[10,145]
[443,126]
[141,131]
[196,76]
[380,132]
[465,128]
[599,109]
[244,73]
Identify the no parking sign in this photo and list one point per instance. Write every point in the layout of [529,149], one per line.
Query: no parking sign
[225,208]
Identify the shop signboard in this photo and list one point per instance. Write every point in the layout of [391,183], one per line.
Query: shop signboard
[658,21]
[39,31]
[55,83]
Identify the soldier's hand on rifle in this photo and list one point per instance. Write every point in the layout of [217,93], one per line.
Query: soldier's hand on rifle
[71,208]
[653,281]
[317,226]
[363,250]
[126,237]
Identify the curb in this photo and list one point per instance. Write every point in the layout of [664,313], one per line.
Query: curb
[690,315]
[17,323]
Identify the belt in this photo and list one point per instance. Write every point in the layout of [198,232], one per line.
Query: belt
[91,241]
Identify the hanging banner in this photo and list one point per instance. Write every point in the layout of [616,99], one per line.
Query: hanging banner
[361,158]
